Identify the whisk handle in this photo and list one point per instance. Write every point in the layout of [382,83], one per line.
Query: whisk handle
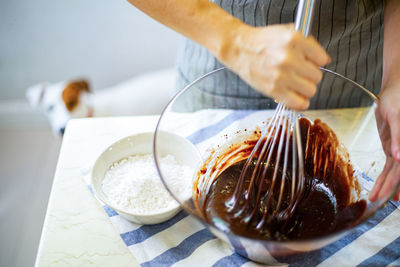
[304,16]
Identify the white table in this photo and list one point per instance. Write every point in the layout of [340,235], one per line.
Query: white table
[77,231]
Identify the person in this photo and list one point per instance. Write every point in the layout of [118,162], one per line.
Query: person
[256,39]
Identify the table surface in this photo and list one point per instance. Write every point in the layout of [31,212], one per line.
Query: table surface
[76,230]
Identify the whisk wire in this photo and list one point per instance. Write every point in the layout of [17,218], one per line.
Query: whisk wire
[277,131]
[266,156]
[262,161]
[282,188]
[281,130]
[234,201]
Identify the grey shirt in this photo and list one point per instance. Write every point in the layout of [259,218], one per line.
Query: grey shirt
[350,30]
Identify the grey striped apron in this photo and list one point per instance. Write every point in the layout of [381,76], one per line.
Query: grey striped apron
[350,30]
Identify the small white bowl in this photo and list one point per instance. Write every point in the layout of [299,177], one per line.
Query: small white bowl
[142,143]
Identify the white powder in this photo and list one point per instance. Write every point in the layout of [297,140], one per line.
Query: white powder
[133,184]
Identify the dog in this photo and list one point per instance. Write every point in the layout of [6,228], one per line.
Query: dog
[146,94]
[62,101]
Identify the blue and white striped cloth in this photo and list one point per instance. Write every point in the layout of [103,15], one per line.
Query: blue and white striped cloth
[184,241]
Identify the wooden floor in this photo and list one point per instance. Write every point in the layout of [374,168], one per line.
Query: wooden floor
[27,162]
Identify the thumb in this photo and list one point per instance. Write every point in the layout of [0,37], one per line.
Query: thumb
[394,124]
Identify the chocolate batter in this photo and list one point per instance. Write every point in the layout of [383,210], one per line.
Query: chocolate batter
[326,206]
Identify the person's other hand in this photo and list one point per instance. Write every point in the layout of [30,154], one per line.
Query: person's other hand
[277,61]
[387,115]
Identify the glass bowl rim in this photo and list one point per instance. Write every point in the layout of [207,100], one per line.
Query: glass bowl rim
[375,205]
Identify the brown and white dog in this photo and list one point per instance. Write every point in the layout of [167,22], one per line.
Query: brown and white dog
[62,101]
[146,94]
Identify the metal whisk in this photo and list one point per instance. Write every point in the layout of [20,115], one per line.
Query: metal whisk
[282,131]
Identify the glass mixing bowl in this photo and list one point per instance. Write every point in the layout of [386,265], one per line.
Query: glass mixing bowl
[215,124]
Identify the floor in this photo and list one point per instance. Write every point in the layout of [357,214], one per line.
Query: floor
[28,158]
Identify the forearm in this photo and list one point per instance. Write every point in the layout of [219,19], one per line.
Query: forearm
[391,44]
[275,60]
[200,20]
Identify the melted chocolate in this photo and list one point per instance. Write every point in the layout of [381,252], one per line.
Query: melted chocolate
[326,206]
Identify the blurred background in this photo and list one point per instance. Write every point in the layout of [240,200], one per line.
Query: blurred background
[43,40]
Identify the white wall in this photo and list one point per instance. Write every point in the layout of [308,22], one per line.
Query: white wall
[53,40]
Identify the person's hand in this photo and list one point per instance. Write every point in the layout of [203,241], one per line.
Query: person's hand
[277,61]
[387,115]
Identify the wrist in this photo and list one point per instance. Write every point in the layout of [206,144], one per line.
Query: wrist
[390,80]
[229,44]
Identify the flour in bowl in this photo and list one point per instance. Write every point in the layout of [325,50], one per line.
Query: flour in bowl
[133,185]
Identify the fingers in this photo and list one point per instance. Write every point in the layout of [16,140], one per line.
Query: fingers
[302,86]
[383,129]
[292,90]
[306,69]
[311,49]
[397,195]
[280,63]
[391,182]
[293,100]
[394,122]
[388,123]
[373,195]
[387,182]
[302,65]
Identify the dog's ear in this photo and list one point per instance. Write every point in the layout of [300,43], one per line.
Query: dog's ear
[70,94]
[83,85]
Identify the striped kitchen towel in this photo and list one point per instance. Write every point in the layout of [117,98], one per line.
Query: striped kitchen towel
[184,241]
